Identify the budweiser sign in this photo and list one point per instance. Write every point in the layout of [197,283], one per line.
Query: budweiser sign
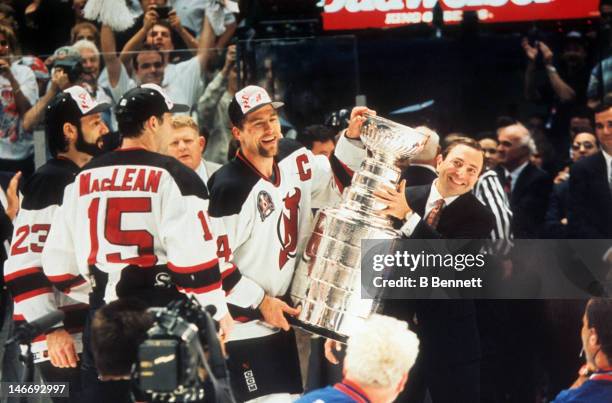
[356,14]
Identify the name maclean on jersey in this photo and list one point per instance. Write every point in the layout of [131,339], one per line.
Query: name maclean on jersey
[121,180]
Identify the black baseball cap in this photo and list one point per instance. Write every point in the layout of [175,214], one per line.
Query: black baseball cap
[74,102]
[147,100]
[248,100]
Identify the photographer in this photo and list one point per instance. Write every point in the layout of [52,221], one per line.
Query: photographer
[117,331]
[62,77]
[160,28]
[19,91]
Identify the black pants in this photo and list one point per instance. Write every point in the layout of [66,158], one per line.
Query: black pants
[49,373]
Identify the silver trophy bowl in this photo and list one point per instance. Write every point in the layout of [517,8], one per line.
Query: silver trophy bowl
[327,280]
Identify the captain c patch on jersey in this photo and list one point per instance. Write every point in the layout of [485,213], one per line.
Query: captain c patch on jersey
[265,206]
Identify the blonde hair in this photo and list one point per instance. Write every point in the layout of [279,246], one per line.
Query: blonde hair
[180,121]
[381,352]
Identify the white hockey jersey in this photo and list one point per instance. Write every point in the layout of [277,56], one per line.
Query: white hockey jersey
[135,224]
[268,223]
[33,293]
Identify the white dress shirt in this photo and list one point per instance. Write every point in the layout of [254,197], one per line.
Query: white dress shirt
[412,218]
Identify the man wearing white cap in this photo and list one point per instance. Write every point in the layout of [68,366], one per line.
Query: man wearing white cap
[74,131]
[265,196]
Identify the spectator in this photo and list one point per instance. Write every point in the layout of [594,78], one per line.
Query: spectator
[19,92]
[86,31]
[75,65]
[526,186]
[40,72]
[212,108]
[186,143]
[378,359]
[123,37]
[566,83]
[489,147]
[594,383]
[584,144]
[159,33]
[94,80]
[319,139]
[182,81]
[600,81]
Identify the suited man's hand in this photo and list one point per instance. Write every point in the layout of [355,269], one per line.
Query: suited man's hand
[395,200]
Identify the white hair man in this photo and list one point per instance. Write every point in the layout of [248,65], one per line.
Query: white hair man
[378,358]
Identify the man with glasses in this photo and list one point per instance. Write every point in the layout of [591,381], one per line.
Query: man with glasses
[584,144]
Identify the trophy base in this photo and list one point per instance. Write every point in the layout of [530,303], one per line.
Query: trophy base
[318,330]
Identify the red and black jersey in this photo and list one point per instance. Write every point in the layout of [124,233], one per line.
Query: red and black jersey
[268,220]
[135,223]
[33,293]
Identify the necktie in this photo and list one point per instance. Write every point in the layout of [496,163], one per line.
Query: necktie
[508,185]
[434,215]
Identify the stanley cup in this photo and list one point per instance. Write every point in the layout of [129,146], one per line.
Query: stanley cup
[327,281]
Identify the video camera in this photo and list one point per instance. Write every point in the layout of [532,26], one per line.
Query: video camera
[181,359]
[72,66]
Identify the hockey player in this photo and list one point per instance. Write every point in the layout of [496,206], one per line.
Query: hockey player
[265,196]
[134,222]
[74,131]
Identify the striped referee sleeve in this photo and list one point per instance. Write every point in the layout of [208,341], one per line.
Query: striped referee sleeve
[490,192]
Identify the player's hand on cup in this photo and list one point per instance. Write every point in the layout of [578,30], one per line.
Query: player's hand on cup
[274,310]
[356,121]
[394,199]
[62,350]
[331,348]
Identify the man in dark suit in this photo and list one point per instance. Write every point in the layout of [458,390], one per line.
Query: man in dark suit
[449,363]
[590,206]
[422,167]
[528,187]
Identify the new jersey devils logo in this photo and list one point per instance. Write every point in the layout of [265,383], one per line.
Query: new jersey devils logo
[287,228]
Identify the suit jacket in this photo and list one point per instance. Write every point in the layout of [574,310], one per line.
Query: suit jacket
[447,324]
[557,210]
[417,176]
[465,218]
[211,167]
[590,201]
[529,201]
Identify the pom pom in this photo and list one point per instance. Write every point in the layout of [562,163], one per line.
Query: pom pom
[114,13]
